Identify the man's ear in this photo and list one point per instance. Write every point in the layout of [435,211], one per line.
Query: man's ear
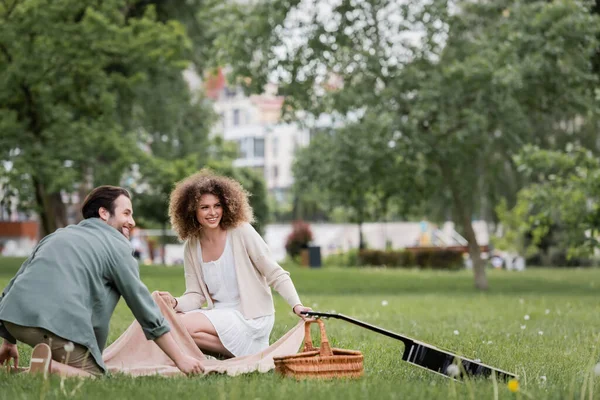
[104,214]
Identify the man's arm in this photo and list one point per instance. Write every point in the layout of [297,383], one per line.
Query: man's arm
[127,280]
[188,365]
[146,312]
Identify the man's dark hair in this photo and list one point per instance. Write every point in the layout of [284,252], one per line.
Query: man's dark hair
[102,196]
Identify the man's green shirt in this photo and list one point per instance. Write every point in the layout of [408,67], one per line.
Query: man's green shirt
[71,283]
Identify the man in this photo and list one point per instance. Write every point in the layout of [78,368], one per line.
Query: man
[65,293]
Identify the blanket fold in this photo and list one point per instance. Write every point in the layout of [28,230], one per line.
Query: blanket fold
[133,354]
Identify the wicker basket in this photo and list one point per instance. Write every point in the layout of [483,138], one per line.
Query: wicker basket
[324,362]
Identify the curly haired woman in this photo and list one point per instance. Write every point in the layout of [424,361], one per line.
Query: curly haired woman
[227,266]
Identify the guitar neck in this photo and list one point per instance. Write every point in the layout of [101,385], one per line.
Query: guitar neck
[406,340]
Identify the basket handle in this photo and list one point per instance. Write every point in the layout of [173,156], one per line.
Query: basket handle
[325,349]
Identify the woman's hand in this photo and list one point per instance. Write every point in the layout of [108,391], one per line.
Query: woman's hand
[298,308]
[168,298]
[189,365]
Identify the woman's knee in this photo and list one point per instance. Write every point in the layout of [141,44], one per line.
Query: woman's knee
[197,322]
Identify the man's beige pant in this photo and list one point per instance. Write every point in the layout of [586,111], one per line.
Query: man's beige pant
[79,358]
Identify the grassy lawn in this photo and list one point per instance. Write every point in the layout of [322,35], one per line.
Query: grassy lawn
[541,324]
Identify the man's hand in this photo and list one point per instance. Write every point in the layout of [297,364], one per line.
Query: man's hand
[168,298]
[298,308]
[189,365]
[9,351]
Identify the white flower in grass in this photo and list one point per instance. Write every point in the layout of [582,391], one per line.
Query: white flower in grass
[456,332]
[452,370]
[540,333]
[69,347]
[526,317]
[523,326]
[384,303]
[547,311]
[597,369]
[543,379]
[489,342]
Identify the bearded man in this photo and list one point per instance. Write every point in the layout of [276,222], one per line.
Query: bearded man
[62,298]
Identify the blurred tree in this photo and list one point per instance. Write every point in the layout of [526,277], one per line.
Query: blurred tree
[468,83]
[72,73]
[359,167]
[563,195]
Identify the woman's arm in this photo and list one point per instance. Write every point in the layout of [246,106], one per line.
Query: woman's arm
[277,278]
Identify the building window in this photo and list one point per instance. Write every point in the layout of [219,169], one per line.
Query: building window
[222,118]
[275,149]
[230,92]
[245,147]
[236,117]
[259,147]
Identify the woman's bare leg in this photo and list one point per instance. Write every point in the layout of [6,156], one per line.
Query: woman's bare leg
[204,334]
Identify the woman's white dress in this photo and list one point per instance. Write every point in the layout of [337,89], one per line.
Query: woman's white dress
[239,335]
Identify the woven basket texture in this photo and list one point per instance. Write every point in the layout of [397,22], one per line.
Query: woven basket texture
[321,363]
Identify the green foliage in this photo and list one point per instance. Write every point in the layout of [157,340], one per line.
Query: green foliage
[342,259]
[423,259]
[76,75]
[350,168]
[561,202]
[152,190]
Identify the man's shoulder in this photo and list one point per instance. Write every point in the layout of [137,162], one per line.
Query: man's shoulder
[104,235]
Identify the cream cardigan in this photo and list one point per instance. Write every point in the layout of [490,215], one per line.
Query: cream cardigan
[255,269]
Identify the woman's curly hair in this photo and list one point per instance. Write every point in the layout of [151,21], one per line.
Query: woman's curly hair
[186,195]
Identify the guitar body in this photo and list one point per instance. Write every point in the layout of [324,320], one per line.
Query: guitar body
[426,356]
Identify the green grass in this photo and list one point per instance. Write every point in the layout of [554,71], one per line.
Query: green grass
[426,305]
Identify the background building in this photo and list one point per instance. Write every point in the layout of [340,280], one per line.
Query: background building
[265,142]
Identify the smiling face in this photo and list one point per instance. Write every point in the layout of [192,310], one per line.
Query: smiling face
[209,211]
[122,217]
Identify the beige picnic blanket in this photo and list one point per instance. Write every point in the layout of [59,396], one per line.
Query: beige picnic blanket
[133,354]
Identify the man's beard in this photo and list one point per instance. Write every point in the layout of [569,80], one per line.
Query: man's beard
[121,229]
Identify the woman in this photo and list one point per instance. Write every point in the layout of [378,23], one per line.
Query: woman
[227,266]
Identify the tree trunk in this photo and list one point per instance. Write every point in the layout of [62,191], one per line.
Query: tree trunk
[464,217]
[361,238]
[52,211]
[85,187]
[60,210]
[46,212]
[475,253]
